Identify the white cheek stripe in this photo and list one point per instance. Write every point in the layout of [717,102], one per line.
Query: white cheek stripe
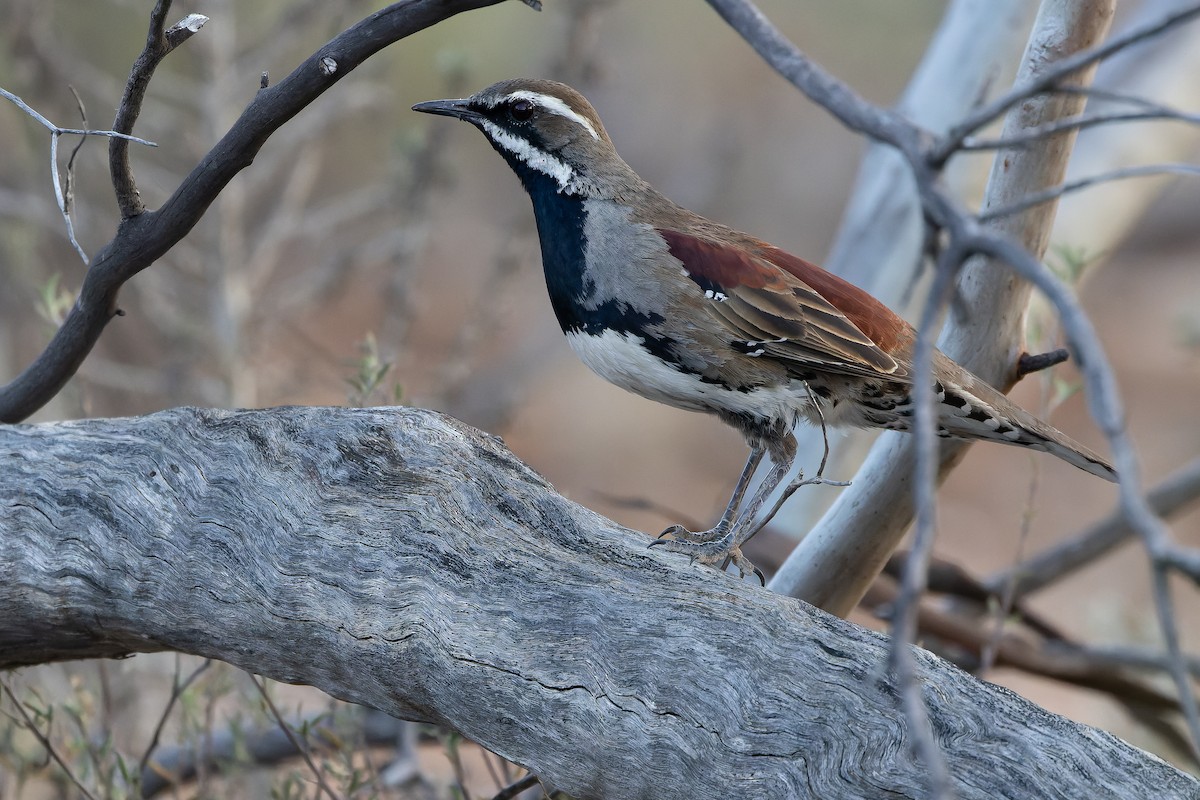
[537,159]
[556,106]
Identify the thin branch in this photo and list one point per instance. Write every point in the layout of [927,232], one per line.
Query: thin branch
[1053,193]
[1047,80]
[177,689]
[70,187]
[819,478]
[1143,658]
[1183,560]
[516,787]
[1106,408]
[300,746]
[268,746]
[1003,610]
[1075,124]
[1175,494]
[904,622]
[64,197]
[1028,364]
[50,126]
[143,239]
[45,742]
[61,199]
[1113,96]
[159,44]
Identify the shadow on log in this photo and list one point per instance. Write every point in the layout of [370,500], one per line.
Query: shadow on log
[400,559]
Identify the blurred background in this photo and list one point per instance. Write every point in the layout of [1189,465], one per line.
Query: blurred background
[374,256]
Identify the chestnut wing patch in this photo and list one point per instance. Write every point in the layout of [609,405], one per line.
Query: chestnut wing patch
[781,307]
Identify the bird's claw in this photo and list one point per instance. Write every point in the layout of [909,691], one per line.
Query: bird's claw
[713,548]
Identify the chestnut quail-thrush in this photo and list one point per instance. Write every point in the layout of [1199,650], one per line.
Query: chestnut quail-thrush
[677,308]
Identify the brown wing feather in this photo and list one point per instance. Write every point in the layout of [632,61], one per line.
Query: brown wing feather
[771,295]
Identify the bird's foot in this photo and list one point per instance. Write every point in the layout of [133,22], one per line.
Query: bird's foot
[714,548]
[679,533]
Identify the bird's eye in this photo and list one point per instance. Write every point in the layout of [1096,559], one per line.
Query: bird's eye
[520,110]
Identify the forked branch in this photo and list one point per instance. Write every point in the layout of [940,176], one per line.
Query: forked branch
[145,236]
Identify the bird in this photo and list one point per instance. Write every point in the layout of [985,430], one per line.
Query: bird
[689,312]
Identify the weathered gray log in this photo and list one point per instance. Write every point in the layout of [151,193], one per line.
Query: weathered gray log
[400,559]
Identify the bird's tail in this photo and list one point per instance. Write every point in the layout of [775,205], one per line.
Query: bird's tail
[971,409]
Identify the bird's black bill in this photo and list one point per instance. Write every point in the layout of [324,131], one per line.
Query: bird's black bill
[447,108]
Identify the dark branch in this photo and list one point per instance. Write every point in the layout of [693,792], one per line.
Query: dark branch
[144,238]
[1027,364]
[516,787]
[158,46]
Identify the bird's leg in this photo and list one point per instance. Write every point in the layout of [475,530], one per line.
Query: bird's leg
[797,481]
[757,451]
[750,522]
[714,546]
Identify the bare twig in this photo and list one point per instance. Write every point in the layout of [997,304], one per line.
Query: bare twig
[300,746]
[450,741]
[146,236]
[1075,124]
[1049,79]
[45,742]
[75,151]
[159,44]
[1175,494]
[1143,658]
[50,126]
[1053,193]
[819,478]
[178,687]
[516,787]
[1028,364]
[61,195]
[904,621]
[174,765]
[61,199]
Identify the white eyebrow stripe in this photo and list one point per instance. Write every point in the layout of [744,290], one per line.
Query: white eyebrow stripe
[556,106]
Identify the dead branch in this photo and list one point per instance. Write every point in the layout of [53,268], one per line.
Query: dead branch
[1175,494]
[143,238]
[403,561]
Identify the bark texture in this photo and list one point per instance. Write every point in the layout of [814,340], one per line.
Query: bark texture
[400,559]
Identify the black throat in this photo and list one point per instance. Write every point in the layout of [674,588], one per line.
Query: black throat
[561,220]
[560,217]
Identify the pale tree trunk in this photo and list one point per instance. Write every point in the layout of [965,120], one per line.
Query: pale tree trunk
[833,566]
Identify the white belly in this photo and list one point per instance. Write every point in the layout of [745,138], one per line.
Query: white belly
[621,359]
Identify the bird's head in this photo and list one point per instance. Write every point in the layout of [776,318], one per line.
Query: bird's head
[542,128]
